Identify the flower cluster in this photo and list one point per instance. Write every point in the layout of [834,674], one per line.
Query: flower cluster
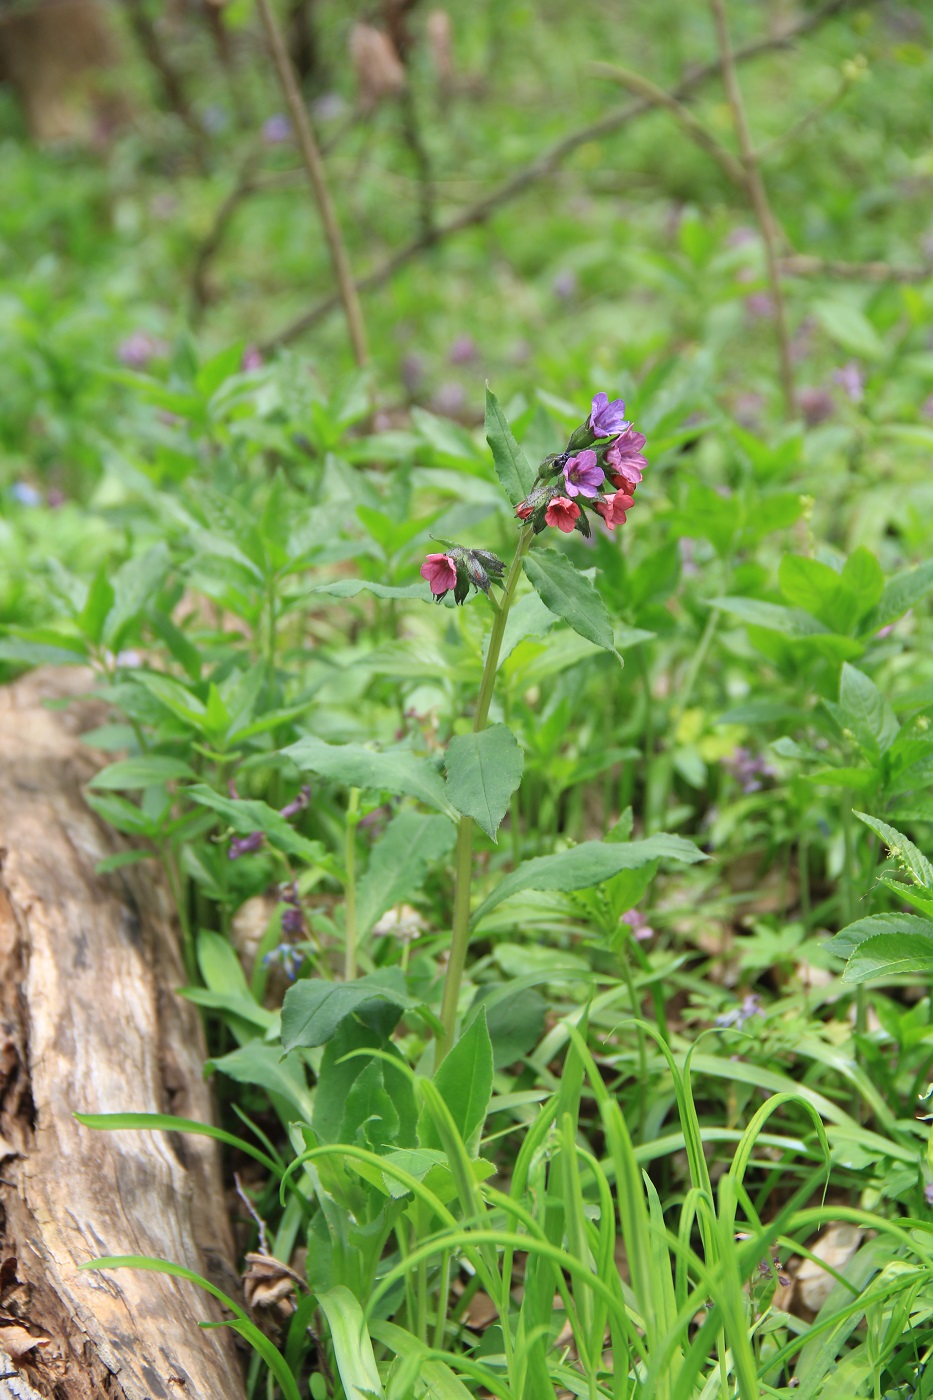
[599,471]
[459,569]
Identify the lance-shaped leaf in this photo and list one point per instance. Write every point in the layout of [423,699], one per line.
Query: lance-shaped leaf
[464,1081]
[350,587]
[395,770]
[588,864]
[512,466]
[483,770]
[148,770]
[313,1009]
[908,857]
[570,595]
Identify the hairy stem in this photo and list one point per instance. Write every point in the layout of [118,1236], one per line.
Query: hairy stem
[460,937]
[314,164]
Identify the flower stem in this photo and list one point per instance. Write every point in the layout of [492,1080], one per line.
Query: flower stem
[460,937]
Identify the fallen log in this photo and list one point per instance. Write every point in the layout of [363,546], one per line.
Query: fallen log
[90,1021]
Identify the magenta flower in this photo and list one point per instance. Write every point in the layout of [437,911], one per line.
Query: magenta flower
[624,459]
[252,359]
[583,475]
[613,508]
[638,923]
[440,572]
[562,513]
[850,378]
[607,418]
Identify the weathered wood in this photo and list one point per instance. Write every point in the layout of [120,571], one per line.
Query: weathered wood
[90,1021]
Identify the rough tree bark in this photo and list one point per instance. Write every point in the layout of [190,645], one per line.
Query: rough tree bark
[90,1020]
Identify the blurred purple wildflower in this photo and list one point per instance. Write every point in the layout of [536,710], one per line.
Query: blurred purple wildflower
[297,804]
[849,377]
[565,285]
[245,845]
[287,957]
[638,923]
[607,418]
[252,359]
[928,1193]
[55,498]
[329,106]
[748,768]
[448,399]
[412,372]
[139,348]
[688,565]
[276,129]
[736,1018]
[463,351]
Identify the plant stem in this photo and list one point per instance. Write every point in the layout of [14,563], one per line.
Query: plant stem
[755,186]
[349,964]
[460,935]
[314,164]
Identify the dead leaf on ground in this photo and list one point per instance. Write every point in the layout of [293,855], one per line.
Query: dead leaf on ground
[17,1342]
[811,1284]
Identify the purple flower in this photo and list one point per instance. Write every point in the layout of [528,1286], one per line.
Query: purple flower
[463,351]
[747,769]
[138,349]
[276,130]
[750,1006]
[292,920]
[287,957]
[625,460]
[641,929]
[583,475]
[759,306]
[252,359]
[412,372]
[245,845]
[565,285]
[928,1193]
[850,379]
[297,804]
[607,418]
[449,399]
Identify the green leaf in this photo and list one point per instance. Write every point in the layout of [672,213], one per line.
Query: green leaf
[146,771]
[119,861]
[313,1009]
[263,1065]
[368,1028]
[866,711]
[790,622]
[413,841]
[900,594]
[570,595]
[248,814]
[512,466]
[176,698]
[95,610]
[464,1082]
[514,1019]
[890,955]
[353,1349]
[862,576]
[350,587]
[588,864]
[135,584]
[397,770]
[849,938]
[850,328]
[903,850]
[483,770]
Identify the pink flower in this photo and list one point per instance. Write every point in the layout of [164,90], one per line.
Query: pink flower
[624,459]
[440,572]
[524,511]
[613,508]
[562,513]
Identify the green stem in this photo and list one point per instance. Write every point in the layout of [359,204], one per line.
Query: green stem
[460,936]
[349,965]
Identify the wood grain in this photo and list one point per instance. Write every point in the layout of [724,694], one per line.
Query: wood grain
[90,1021]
